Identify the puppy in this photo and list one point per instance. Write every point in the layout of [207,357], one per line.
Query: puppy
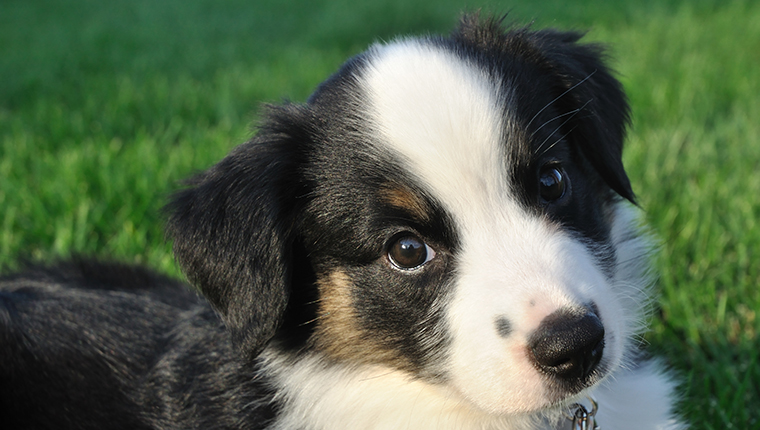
[440,238]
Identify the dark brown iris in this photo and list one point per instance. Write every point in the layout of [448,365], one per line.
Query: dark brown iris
[408,252]
[552,183]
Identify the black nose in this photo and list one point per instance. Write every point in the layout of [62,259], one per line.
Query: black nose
[568,343]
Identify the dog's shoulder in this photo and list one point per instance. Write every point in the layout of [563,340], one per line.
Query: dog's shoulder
[135,348]
[90,274]
[89,308]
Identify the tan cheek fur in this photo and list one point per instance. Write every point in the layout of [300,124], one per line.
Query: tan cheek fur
[339,332]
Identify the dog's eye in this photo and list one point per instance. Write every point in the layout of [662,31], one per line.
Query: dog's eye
[552,182]
[407,252]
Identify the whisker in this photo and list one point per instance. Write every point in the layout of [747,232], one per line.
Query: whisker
[555,118]
[574,113]
[381,375]
[555,142]
[559,97]
[313,320]
[314,302]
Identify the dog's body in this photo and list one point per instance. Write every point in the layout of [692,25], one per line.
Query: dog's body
[438,239]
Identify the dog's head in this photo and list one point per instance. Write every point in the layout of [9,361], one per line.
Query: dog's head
[445,207]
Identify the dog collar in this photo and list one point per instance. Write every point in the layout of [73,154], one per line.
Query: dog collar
[581,418]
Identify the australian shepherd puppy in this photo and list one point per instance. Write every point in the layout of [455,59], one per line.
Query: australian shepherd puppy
[441,237]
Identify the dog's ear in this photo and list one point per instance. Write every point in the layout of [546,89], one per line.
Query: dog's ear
[233,229]
[603,115]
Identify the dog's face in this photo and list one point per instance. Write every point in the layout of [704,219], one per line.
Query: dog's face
[445,208]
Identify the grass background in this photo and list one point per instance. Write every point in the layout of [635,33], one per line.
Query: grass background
[106,106]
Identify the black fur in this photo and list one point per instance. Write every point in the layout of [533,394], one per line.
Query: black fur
[90,345]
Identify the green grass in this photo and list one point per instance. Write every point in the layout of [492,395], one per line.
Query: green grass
[106,106]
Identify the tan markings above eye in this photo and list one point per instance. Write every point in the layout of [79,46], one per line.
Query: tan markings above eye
[401,197]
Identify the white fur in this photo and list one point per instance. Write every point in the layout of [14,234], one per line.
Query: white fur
[446,119]
[321,396]
[442,116]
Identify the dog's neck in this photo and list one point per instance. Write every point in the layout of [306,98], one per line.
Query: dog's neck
[316,395]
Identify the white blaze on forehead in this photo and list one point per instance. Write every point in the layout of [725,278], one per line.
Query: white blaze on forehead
[449,121]
[443,115]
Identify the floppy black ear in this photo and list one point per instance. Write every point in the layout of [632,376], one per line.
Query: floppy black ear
[233,229]
[600,126]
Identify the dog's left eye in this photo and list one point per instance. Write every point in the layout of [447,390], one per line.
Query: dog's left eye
[552,182]
[408,252]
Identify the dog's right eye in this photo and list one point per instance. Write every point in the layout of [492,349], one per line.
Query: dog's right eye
[408,252]
[552,183]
